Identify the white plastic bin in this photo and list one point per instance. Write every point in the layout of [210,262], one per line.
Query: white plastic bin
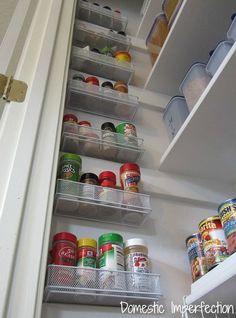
[194,83]
[231,34]
[218,56]
[175,114]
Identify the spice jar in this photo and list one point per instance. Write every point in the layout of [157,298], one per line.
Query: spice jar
[108,146]
[88,190]
[121,86]
[70,124]
[130,177]
[107,195]
[107,84]
[92,80]
[109,177]
[111,259]
[84,127]
[79,77]
[70,166]
[137,261]
[64,249]
[122,56]
[128,134]
[87,252]
[108,51]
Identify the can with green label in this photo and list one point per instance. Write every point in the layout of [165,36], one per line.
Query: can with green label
[70,167]
[127,133]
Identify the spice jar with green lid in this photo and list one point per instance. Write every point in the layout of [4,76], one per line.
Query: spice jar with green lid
[70,167]
[111,259]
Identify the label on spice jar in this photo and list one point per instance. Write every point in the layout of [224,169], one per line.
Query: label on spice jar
[64,255]
[137,263]
[130,181]
[86,258]
[69,172]
[111,258]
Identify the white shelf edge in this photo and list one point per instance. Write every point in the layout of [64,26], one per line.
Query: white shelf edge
[172,30]
[213,279]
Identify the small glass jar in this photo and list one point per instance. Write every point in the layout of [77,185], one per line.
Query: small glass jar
[84,127]
[70,124]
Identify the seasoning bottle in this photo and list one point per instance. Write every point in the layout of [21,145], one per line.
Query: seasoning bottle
[111,259]
[108,195]
[130,177]
[70,124]
[84,127]
[121,86]
[64,249]
[137,261]
[87,252]
[127,134]
[70,166]
[109,147]
[88,190]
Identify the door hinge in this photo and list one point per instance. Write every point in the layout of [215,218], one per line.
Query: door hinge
[12,90]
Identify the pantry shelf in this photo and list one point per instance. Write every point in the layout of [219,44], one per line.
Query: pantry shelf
[73,285]
[216,285]
[205,144]
[101,101]
[85,34]
[90,142]
[101,16]
[189,41]
[101,65]
[87,201]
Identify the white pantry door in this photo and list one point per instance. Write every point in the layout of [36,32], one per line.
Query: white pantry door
[20,126]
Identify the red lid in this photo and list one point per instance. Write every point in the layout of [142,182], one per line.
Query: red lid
[92,79]
[108,183]
[65,236]
[84,123]
[129,166]
[109,175]
[70,117]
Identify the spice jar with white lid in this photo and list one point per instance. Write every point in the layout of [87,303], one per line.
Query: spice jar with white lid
[137,261]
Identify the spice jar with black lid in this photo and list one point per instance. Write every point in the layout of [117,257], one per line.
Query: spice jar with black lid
[109,147]
[90,193]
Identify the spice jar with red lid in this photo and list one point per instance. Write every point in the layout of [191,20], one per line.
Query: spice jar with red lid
[84,126]
[64,248]
[70,123]
[92,80]
[107,179]
[64,253]
[130,177]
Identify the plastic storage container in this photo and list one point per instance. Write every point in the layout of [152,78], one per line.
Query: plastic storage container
[175,114]
[194,83]
[231,34]
[218,56]
[157,36]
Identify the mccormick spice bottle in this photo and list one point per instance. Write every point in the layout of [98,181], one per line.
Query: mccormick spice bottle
[111,258]
[88,190]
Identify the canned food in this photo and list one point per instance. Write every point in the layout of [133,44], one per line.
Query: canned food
[70,166]
[214,241]
[111,259]
[196,256]
[227,212]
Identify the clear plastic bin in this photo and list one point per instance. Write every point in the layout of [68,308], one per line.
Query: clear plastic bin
[157,36]
[86,201]
[101,65]
[97,15]
[231,34]
[218,56]
[194,83]
[100,101]
[175,114]
[84,35]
